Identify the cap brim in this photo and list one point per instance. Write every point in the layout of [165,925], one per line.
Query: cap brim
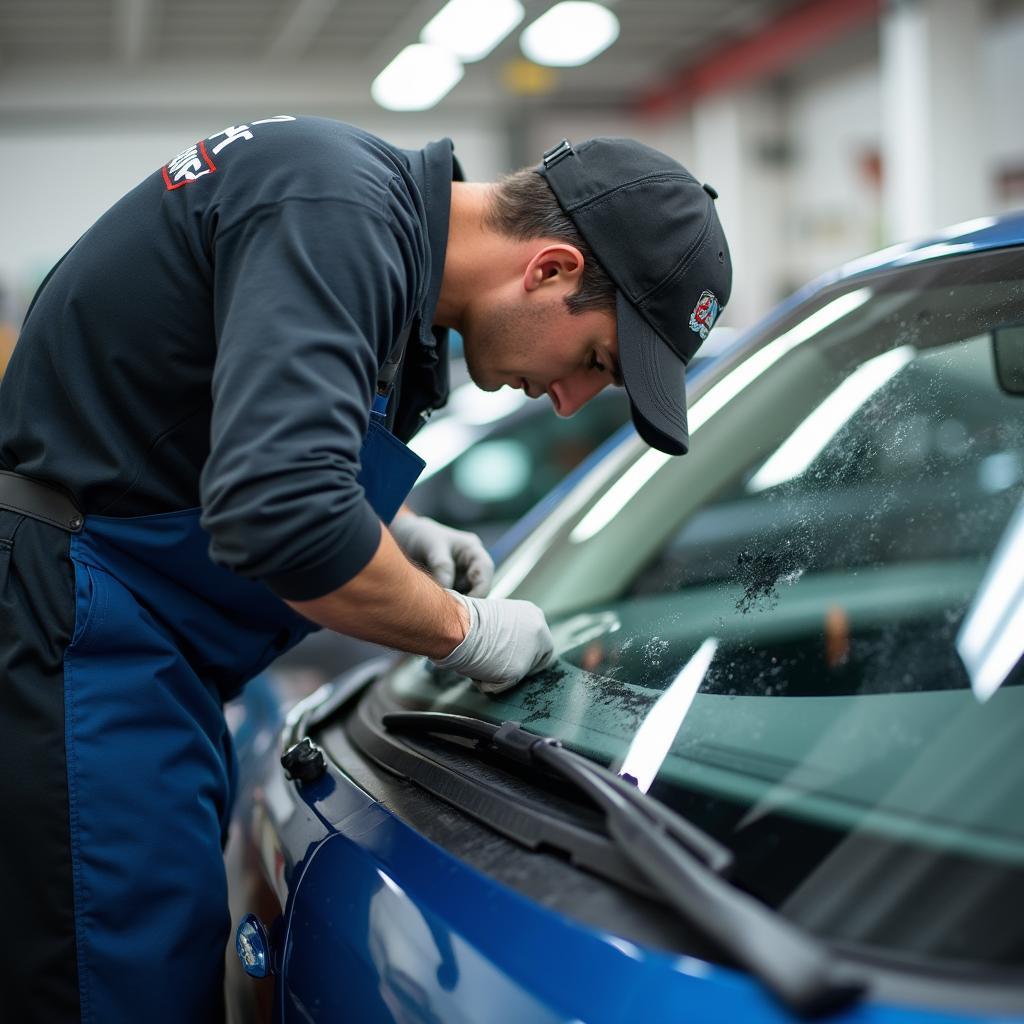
[655,380]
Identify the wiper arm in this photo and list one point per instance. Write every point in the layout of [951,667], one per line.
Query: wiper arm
[516,743]
[680,860]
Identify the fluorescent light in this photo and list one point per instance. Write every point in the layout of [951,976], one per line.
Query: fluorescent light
[619,495]
[653,740]
[418,78]
[570,34]
[938,249]
[1002,657]
[810,439]
[991,638]
[967,227]
[472,28]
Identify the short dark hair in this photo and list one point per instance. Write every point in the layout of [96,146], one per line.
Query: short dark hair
[523,207]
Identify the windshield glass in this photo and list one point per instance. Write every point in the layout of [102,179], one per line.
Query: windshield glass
[805,635]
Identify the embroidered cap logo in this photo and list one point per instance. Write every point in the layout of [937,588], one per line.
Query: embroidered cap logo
[704,314]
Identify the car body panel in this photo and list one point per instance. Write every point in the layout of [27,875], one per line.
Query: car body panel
[381,924]
[384,925]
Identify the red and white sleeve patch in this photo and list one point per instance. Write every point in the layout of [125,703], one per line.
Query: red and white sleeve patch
[188,166]
[196,161]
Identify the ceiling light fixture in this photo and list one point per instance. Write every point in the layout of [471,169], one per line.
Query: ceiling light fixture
[570,34]
[471,29]
[418,78]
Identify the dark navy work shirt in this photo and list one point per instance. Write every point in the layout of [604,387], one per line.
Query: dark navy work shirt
[214,340]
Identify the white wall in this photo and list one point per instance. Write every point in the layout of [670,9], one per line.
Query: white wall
[833,208]
[59,184]
[673,135]
[1003,77]
[70,147]
[55,184]
[934,106]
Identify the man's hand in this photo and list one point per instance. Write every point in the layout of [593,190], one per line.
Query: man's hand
[391,602]
[506,641]
[456,559]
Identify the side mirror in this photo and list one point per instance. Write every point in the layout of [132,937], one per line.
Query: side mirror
[1008,351]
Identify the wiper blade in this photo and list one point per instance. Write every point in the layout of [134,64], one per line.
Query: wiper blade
[683,863]
[516,743]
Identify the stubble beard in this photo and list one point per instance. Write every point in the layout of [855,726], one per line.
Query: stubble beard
[500,337]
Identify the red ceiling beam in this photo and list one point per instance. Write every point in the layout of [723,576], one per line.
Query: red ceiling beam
[775,47]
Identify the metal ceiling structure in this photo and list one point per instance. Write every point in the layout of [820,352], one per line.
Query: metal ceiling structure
[353,40]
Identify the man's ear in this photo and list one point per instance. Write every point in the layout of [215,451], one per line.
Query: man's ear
[560,265]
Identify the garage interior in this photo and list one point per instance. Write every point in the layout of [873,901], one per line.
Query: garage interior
[830,128]
[835,133]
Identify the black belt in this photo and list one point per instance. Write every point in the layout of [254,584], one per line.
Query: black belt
[39,501]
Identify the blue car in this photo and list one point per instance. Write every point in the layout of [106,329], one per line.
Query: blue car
[777,771]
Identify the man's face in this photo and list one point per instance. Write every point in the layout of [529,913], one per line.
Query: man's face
[531,341]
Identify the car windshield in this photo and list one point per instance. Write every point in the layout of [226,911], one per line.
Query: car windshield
[805,636]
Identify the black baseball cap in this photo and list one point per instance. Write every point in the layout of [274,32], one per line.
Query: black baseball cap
[654,229]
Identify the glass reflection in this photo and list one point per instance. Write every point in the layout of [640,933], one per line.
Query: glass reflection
[812,437]
[654,738]
[991,639]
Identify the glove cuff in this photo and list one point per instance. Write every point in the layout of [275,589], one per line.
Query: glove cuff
[456,657]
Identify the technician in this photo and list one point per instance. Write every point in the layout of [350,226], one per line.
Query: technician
[201,450]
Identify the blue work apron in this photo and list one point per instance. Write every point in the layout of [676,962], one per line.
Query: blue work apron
[162,638]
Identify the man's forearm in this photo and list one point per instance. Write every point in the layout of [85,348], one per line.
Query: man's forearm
[392,603]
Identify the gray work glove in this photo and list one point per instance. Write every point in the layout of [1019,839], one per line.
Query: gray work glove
[506,641]
[454,558]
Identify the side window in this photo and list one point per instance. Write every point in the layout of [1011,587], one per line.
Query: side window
[498,479]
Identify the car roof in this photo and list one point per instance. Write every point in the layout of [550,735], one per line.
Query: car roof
[976,235]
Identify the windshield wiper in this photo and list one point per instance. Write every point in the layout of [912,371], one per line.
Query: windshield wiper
[516,743]
[681,861]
